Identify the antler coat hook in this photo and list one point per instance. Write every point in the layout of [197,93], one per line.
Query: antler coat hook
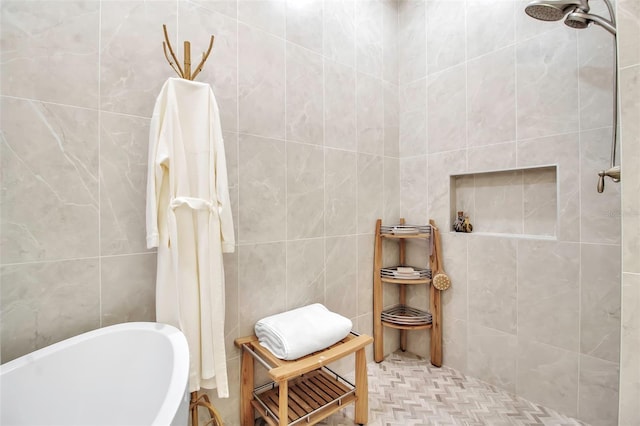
[175,64]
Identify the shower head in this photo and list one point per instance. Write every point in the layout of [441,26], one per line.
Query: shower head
[554,10]
[580,20]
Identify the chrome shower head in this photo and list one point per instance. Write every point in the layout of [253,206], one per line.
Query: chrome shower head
[554,10]
[577,20]
[580,20]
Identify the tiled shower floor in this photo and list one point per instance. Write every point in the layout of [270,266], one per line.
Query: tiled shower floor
[406,391]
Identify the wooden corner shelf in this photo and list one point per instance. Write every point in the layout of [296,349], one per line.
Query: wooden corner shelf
[401,316]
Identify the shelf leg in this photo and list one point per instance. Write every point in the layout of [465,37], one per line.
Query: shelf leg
[283,402]
[436,327]
[362,390]
[246,390]
[378,345]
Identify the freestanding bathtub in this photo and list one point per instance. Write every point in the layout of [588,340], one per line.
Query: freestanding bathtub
[123,375]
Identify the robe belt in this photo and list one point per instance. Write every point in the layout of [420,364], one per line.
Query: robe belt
[193,203]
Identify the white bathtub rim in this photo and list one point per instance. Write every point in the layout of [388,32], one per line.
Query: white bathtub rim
[179,380]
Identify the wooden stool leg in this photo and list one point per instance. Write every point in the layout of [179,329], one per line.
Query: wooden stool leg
[362,388]
[246,390]
[283,401]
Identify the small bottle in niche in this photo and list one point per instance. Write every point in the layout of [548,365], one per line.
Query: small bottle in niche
[466,225]
[459,222]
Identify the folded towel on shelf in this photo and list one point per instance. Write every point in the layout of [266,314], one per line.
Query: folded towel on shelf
[299,332]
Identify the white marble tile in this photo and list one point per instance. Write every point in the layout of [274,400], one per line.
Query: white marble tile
[412,40]
[600,301]
[549,293]
[50,51]
[268,15]
[261,283]
[446,44]
[341,262]
[547,87]
[127,83]
[262,189]
[596,49]
[365,274]
[454,259]
[413,133]
[628,16]
[44,303]
[454,344]
[304,96]
[490,158]
[305,191]
[413,118]
[630,350]
[391,120]
[305,273]
[369,190]
[340,31]
[630,137]
[446,106]
[490,26]
[340,106]
[198,24]
[598,396]
[548,376]
[540,201]
[123,183]
[340,192]
[492,283]
[390,41]
[50,203]
[226,7]
[491,98]
[128,288]
[414,187]
[391,190]
[304,23]
[369,37]
[370,115]
[261,83]
[492,356]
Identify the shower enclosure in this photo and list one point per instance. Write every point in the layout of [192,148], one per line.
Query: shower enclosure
[576,15]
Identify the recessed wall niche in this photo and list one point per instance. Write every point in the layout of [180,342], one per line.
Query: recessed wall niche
[518,203]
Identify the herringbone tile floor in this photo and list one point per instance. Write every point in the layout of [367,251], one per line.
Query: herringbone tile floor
[407,391]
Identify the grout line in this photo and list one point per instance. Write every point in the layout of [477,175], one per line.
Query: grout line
[286,170]
[577,47]
[99,165]
[237,249]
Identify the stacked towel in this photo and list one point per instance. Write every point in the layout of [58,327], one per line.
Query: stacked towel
[299,332]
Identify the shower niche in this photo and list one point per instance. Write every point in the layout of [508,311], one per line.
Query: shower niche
[516,202]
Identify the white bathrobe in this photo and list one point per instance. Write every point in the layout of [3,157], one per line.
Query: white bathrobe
[189,220]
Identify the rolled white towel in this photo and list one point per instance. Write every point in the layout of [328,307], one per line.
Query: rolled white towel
[299,332]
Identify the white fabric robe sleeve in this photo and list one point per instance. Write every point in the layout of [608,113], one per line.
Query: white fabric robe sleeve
[227,236]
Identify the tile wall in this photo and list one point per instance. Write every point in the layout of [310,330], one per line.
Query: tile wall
[492,89]
[629,50]
[308,98]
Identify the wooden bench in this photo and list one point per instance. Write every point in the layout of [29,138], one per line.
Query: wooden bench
[304,390]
